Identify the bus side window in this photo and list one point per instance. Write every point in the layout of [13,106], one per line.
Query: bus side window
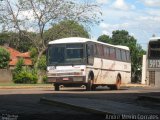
[106,51]
[90,50]
[124,57]
[95,50]
[100,51]
[112,53]
[128,56]
[90,54]
[118,54]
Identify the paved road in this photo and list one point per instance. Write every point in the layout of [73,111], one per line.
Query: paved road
[25,102]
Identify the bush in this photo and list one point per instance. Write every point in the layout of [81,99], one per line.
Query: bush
[45,79]
[25,76]
[4,58]
[19,65]
[42,63]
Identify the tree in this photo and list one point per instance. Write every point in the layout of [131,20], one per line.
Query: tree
[16,41]
[67,28]
[40,14]
[104,38]
[4,58]
[122,37]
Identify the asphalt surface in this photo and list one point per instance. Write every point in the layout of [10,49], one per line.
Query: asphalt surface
[25,103]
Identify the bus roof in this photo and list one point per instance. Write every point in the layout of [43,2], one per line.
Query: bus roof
[83,40]
[154,39]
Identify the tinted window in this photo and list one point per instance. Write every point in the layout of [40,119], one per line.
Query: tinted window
[154,50]
[128,55]
[95,50]
[90,50]
[123,55]
[106,51]
[99,50]
[74,51]
[112,53]
[56,54]
[61,54]
[118,54]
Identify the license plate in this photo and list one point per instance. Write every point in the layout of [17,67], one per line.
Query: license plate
[65,78]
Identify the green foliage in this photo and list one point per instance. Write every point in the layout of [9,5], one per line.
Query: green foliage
[19,65]
[67,28]
[33,54]
[122,37]
[23,74]
[104,38]
[26,76]
[44,79]
[42,63]
[17,41]
[4,58]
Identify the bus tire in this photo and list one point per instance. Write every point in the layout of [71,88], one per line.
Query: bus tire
[93,88]
[56,86]
[90,86]
[117,85]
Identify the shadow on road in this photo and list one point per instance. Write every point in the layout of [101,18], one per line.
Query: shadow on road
[28,107]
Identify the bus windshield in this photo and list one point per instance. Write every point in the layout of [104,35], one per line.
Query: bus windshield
[61,54]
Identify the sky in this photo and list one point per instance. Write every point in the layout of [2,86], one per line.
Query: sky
[141,18]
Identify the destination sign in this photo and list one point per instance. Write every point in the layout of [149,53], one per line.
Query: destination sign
[154,63]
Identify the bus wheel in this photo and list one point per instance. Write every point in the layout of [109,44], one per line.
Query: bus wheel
[90,85]
[117,85]
[56,86]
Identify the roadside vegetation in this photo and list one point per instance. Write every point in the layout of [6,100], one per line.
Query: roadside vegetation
[4,58]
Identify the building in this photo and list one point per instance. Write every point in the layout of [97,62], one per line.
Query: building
[16,55]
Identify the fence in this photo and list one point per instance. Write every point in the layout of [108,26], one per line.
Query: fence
[5,76]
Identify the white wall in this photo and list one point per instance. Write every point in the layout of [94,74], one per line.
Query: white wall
[144,65]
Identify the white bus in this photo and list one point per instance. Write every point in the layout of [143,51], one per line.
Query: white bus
[79,61]
[153,62]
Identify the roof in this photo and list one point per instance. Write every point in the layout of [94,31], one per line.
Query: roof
[13,62]
[83,40]
[70,40]
[13,52]
[14,55]
[152,39]
[25,55]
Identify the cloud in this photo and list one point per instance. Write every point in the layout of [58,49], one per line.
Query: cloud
[141,21]
[142,25]
[151,3]
[103,1]
[153,12]
[121,5]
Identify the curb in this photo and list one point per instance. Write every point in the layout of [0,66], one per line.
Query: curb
[72,106]
[134,85]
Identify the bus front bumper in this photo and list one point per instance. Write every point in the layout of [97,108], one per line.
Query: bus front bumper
[67,79]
